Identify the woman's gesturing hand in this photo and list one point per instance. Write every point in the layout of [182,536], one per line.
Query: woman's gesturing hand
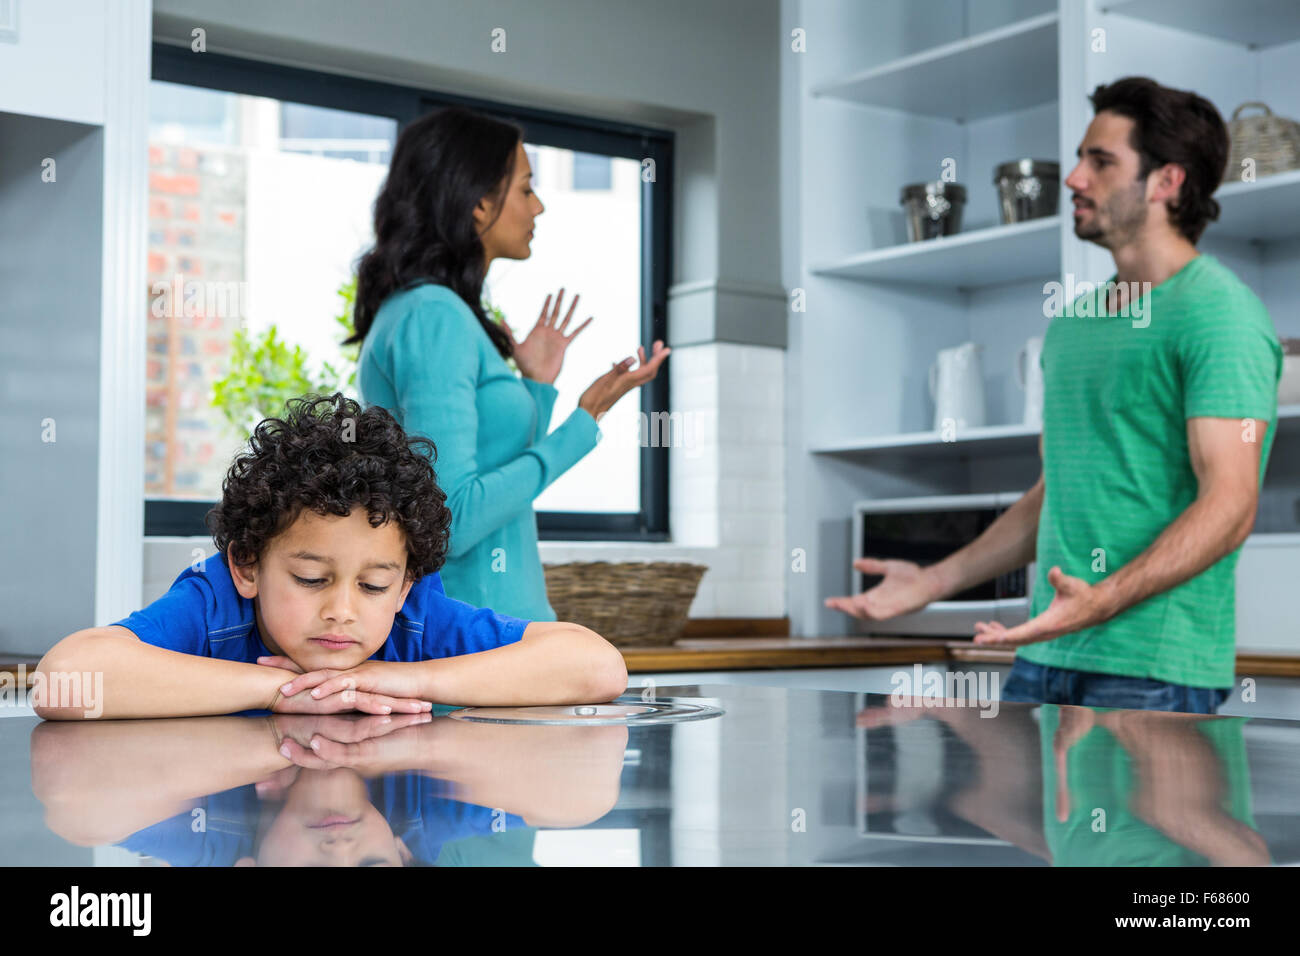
[601,395]
[540,355]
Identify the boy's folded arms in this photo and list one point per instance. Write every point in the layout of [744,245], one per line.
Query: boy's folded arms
[141,680]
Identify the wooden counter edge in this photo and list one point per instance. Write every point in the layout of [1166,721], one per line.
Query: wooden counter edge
[686,655]
[776,653]
[783,652]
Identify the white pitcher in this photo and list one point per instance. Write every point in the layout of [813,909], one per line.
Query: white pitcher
[957,387]
[1029,376]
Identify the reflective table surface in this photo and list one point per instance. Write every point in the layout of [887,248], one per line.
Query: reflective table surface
[779,777]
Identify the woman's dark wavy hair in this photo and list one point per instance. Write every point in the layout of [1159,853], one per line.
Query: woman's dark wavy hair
[329,456]
[1173,126]
[443,164]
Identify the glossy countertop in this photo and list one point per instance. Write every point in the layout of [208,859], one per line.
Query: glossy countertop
[780,777]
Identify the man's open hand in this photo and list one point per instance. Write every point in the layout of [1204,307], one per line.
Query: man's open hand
[1076,605]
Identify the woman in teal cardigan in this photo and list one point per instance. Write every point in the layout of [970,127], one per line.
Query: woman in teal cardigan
[458,195]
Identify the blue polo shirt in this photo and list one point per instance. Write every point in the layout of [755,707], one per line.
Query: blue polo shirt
[203,614]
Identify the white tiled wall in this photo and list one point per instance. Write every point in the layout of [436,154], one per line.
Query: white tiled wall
[726,490]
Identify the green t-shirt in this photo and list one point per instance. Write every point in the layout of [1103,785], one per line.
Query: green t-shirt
[1118,390]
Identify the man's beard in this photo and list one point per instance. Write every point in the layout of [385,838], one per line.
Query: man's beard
[1126,212]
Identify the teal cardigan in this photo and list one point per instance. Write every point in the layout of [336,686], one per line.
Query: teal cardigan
[428,361]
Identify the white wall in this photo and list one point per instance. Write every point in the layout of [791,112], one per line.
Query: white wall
[72,87]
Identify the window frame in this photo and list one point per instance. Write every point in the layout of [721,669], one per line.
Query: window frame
[232,74]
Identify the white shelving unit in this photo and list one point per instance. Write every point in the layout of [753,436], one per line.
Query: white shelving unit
[901,91]
[1257,24]
[985,440]
[968,260]
[988,439]
[999,71]
[1267,210]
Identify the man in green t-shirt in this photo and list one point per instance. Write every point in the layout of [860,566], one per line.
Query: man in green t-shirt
[1160,388]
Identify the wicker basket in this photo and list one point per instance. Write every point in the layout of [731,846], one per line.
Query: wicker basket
[627,603]
[1273,142]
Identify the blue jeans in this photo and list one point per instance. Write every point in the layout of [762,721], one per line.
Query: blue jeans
[1040,684]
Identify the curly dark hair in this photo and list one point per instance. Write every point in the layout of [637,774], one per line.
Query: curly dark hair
[444,163]
[328,454]
[1173,126]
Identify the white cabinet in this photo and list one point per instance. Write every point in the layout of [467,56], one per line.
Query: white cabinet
[73,199]
[53,57]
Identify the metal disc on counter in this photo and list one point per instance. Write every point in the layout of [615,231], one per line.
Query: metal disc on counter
[629,710]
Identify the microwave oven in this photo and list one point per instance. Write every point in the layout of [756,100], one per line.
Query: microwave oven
[926,530]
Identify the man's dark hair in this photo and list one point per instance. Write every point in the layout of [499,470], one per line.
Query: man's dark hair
[328,455]
[1173,126]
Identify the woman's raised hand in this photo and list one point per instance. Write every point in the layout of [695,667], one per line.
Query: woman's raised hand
[540,355]
[601,395]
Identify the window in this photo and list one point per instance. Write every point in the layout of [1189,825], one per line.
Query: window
[592,172]
[589,242]
[239,240]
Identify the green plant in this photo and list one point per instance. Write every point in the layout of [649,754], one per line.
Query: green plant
[266,372]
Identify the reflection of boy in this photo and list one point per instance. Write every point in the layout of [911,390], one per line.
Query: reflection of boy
[399,819]
[330,533]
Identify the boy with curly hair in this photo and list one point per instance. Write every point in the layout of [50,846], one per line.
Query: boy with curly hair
[329,533]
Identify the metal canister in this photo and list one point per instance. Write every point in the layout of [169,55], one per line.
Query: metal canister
[932,209]
[1027,189]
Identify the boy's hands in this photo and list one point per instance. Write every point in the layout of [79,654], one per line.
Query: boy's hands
[388,686]
[298,696]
